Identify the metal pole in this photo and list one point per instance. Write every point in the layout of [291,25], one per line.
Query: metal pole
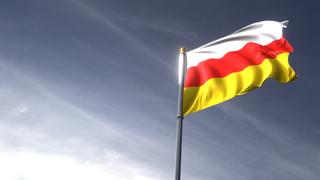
[179,146]
[182,67]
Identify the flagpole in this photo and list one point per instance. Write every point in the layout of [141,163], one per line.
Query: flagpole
[182,65]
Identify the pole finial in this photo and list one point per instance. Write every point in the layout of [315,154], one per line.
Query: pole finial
[182,50]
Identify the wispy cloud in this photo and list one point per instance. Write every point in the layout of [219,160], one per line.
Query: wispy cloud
[105,21]
[175,27]
[44,130]
[39,166]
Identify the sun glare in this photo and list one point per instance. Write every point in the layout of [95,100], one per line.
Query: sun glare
[34,166]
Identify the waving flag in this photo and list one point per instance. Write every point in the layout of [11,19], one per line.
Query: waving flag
[236,64]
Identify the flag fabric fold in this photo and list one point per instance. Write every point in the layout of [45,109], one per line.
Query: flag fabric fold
[236,64]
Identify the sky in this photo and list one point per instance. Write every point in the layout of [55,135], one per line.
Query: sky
[88,90]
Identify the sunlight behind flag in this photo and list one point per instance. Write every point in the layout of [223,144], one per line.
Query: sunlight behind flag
[181,65]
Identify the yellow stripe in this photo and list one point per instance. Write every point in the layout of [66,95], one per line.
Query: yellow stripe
[217,90]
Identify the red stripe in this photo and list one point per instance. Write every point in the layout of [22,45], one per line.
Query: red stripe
[235,61]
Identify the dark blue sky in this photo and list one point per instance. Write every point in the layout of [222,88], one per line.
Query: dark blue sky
[88,90]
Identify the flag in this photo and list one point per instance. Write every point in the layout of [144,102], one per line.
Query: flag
[235,64]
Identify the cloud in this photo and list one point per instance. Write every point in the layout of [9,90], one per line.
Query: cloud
[39,166]
[175,27]
[43,136]
[129,37]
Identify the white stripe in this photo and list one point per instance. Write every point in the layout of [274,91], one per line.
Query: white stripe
[262,33]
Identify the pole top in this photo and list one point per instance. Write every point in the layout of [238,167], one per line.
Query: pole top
[182,50]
